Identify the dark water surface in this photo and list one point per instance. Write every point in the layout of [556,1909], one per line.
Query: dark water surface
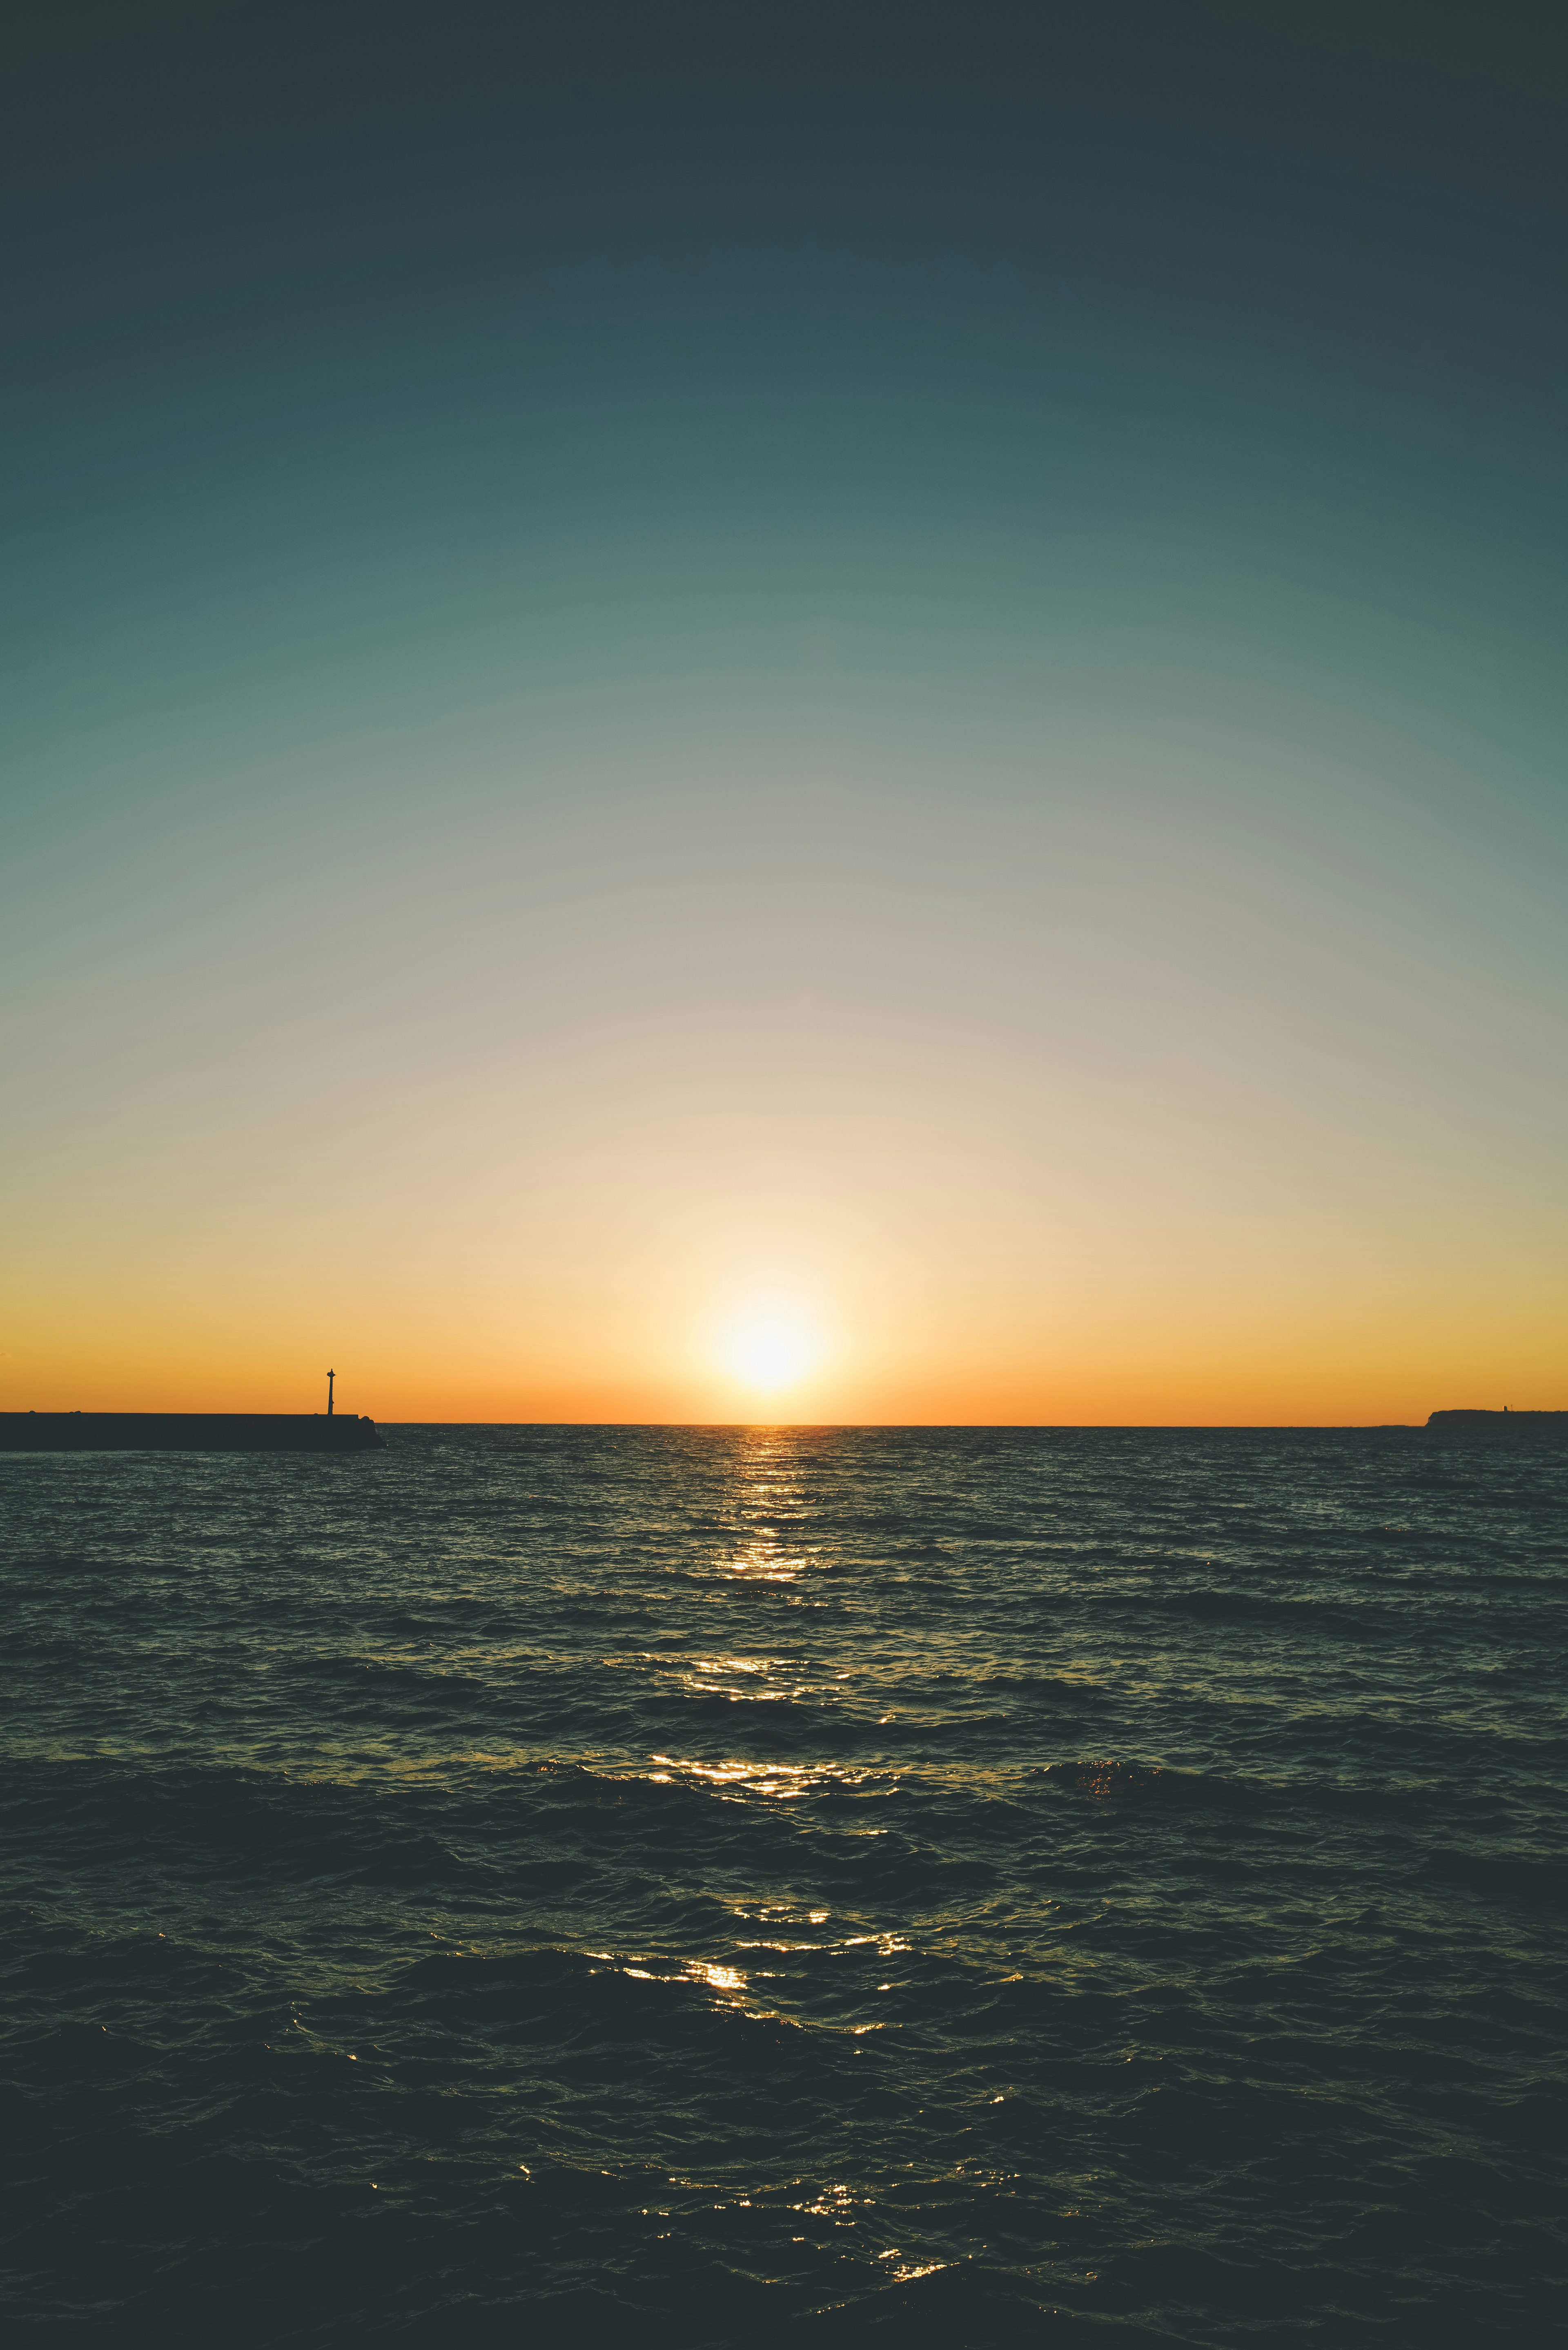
[656,1887]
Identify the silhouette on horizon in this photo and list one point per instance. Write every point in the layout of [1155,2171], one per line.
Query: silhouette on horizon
[189,1432]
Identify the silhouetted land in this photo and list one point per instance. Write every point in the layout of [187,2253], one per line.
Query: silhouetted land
[221,1431]
[185,1431]
[1501,1427]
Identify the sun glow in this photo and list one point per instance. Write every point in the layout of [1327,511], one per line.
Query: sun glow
[770,1355]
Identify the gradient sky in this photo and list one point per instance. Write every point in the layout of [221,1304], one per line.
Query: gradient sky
[898,672]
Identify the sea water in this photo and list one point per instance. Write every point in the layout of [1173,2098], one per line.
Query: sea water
[550,1885]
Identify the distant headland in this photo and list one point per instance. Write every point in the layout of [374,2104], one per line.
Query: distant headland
[185,1432]
[1501,1427]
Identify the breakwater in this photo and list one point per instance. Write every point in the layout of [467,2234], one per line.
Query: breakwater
[185,1432]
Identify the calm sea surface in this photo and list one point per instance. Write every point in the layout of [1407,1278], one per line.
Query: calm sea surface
[672,1886]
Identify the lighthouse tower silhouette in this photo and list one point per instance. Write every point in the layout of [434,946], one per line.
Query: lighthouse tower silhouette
[330,1377]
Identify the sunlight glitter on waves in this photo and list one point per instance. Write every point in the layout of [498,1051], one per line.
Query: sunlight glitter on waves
[707,1673]
[787,1779]
[730,1985]
[760,1564]
[728,1979]
[716,1978]
[777,1779]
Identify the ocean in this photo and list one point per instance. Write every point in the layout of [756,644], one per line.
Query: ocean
[702,1886]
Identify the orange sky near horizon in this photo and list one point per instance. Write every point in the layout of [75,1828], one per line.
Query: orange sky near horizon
[594,1318]
[1030,1118]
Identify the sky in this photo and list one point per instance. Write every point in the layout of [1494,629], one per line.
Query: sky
[833,714]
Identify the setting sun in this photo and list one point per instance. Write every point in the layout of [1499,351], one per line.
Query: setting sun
[770,1355]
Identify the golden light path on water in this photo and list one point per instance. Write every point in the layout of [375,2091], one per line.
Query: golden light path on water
[756,1681]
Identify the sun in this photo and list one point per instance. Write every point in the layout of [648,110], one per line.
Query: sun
[770,1355]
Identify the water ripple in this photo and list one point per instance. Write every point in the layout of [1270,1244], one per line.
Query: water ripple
[713,1884]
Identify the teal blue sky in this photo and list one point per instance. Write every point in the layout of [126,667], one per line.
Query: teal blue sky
[943,552]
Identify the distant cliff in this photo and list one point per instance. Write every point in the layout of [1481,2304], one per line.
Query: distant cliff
[1501,1427]
[185,1431]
